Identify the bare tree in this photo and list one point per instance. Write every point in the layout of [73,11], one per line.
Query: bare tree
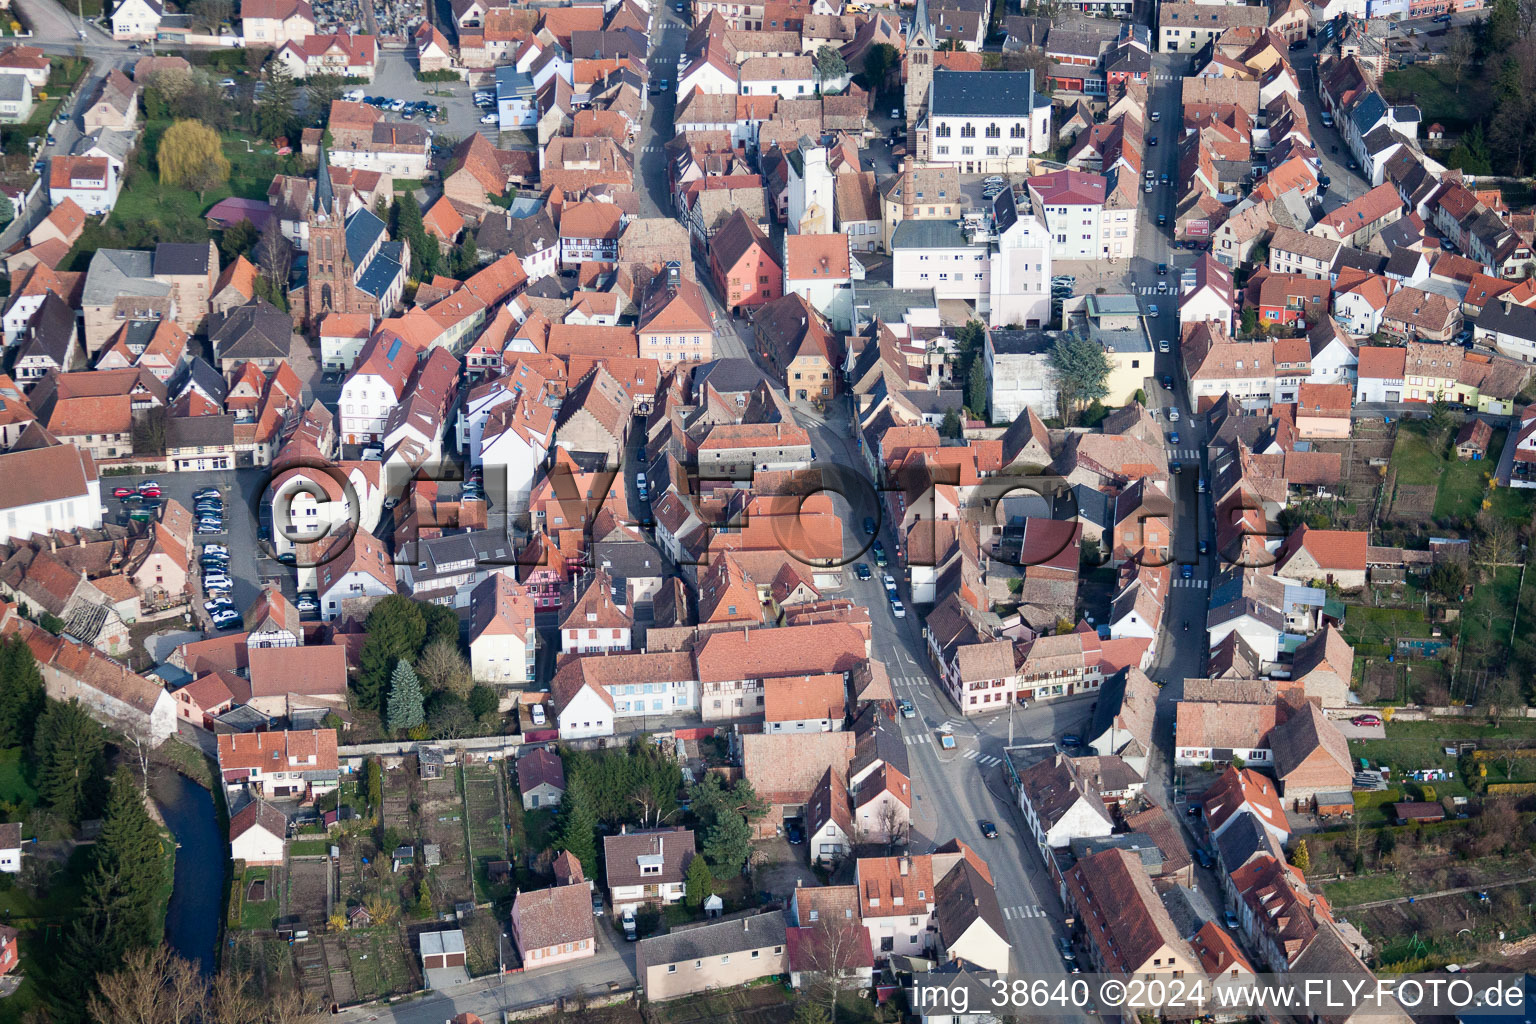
[274,255]
[1503,697]
[833,949]
[894,825]
[1459,54]
[1495,543]
[154,986]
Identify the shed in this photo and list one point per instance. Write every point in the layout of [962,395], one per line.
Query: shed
[1340,801]
[442,949]
[1473,440]
[1420,811]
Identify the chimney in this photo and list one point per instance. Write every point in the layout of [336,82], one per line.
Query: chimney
[744,925]
[906,866]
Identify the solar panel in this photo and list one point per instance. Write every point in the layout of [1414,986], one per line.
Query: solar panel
[394,348]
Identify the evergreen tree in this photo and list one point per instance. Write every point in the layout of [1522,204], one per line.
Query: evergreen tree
[578,829]
[430,256]
[1301,857]
[467,256]
[976,389]
[952,426]
[274,110]
[728,844]
[396,629]
[405,708]
[482,701]
[700,883]
[130,852]
[21,693]
[441,624]
[69,760]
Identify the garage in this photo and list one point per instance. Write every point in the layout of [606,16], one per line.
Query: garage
[442,949]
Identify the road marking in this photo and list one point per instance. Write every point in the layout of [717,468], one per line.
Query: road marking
[970,754]
[1019,913]
[918,740]
[1196,584]
[989,760]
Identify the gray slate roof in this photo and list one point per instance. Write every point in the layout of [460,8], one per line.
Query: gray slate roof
[711,940]
[982,93]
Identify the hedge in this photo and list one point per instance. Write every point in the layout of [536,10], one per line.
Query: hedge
[1511,788]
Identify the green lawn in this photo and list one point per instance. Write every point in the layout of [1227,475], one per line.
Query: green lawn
[1462,485]
[1462,729]
[14,787]
[258,916]
[1433,88]
[1367,889]
[1414,461]
[1488,617]
[309,847]
[1365,624]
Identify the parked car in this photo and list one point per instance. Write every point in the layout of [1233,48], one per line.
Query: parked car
[489,118]
[1366,720]
[1187,571]
[898,609]
[307,604]
[1231,920]
[288,558]
[989,830]
[1162,344]
[878,550]
[121,492]
[1065,949]
[215,549]
[869,525]
[908,709]
[217,581]
[537,714]
[1204,859]
[206,492]
[793,833]
[628,917]
[149,485]
[1071,739]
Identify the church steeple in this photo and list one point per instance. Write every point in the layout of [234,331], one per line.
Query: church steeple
[325,194]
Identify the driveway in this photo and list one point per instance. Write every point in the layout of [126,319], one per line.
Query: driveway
[787,870]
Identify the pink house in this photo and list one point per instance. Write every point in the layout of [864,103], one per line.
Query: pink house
[553,926]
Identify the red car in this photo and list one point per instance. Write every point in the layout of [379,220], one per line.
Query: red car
[121,492]
[1366,720]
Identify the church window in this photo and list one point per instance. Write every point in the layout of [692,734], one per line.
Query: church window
[325,296]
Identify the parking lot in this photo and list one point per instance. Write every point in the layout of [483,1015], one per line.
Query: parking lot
[248,565]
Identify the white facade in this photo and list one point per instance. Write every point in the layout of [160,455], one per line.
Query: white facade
[351,584]
[810,192]
[10,860]
[587,715]
[93,195]
[257,846]
[1356,314]
[1019,281]
[632,700]
[136,19]
[1333,364]
[1083,231]
[366,403]
[953,272]
[496,657]
[397,163]
[68,512]
[1079,821]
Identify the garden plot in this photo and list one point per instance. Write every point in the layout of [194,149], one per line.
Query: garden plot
[343,988]
[481,934]
[487,829]
[1413,503]
[313,973]
[398,785]
[267,961]
[442,823]
[310,890]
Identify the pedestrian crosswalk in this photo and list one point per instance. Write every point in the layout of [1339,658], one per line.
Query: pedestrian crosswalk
[1183,453]
[653,148]
[910,682]
[1019,913]
[1152,289]
[1195,584]
[916,739]
[986,760]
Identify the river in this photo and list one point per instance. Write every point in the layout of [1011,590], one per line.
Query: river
[197,900]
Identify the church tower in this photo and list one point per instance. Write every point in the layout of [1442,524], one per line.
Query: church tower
[328,286]
[919,78]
